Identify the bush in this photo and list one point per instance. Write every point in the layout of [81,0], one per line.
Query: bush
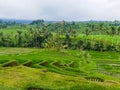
[88,46]
[110,48]
[80,44]
[99,46]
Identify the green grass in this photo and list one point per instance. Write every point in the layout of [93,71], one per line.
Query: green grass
[66,69]
[25,77]
[13,29]
[106,38]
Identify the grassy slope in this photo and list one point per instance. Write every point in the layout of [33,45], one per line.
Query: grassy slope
[25,77]
[52,76]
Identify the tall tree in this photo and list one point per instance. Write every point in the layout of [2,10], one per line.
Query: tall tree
[19,38]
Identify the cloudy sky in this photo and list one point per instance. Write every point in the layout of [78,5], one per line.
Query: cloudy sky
[60,9]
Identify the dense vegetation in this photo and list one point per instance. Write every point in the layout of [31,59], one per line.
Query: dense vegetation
[98,36]
[62,55]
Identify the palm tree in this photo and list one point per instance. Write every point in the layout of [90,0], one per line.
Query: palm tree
[113,32]
[19,38]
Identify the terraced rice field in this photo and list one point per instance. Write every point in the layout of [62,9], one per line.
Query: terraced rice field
[39,69]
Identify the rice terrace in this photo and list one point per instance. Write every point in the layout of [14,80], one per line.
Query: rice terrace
[61,51]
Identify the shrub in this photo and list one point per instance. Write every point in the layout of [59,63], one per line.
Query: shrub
[80,44]
[99,46]
[88,46]
[110,48]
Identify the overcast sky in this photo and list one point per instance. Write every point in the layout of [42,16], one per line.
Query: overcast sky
[60,9]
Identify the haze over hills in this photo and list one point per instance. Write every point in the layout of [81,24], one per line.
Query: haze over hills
[16,20]
[27,21]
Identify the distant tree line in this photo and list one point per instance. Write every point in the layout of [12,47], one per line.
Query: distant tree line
[62,35]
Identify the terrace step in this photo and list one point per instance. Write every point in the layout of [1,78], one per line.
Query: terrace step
[97,79]
[28,63]
[10,63]
[44,63]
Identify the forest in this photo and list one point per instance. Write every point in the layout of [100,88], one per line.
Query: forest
[89,35]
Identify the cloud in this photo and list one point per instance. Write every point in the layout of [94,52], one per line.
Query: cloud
[60,9]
